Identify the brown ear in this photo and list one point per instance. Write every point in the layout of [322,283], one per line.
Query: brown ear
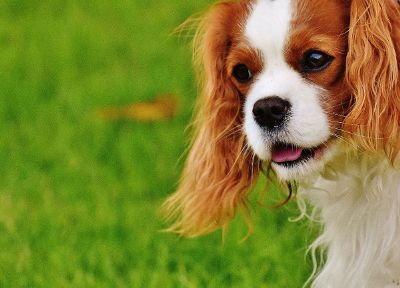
[372,73]
[219,170]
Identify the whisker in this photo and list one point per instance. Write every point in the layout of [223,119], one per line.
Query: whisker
[241,153]
[234,130]
[360,135]
[353,145]
[340,122]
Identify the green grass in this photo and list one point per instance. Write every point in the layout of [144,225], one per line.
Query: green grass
[80,197]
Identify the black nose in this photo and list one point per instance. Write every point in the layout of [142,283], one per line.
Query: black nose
[271,112]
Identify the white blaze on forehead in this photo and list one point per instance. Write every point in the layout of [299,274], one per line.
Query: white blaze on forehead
[268,25]
[268,30]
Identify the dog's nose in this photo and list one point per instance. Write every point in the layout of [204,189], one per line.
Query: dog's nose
[271,112]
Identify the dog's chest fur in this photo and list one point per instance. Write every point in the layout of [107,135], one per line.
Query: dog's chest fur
[357,200]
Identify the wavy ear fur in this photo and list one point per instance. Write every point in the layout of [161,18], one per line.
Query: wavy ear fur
[372,74]
[219,169]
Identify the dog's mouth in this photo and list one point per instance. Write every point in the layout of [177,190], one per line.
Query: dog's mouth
[289,155]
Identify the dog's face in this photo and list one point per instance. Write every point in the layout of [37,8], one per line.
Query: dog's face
[289,66]
[285,80]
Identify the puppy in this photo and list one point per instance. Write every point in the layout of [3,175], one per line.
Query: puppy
[309,89]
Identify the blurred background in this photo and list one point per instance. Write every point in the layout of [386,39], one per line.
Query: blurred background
[87,156]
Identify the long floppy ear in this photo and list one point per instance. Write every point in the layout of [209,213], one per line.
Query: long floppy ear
[219,169]
[373,64]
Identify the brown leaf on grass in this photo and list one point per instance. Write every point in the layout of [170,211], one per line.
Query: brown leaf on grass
[163,107]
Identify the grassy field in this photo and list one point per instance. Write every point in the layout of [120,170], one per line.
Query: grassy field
[80,197]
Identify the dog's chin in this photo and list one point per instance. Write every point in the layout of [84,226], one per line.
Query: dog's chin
[291,162]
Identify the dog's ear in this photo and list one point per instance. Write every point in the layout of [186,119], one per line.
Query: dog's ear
[372,73]
[219,169]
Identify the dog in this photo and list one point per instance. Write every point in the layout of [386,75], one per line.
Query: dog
[310,90]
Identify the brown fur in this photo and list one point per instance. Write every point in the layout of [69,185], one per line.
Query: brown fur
[242,53]
[219,170]
[372,73]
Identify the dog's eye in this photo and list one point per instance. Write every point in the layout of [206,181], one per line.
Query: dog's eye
[242,73]
[315,61]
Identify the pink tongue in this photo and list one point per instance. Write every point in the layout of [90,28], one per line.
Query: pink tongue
[286,154]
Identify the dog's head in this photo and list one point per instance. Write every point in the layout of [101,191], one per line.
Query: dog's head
[284,81]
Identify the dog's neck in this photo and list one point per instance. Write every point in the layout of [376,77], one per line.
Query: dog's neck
[357,200]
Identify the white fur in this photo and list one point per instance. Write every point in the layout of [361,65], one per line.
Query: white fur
[267,29]
[357,198]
